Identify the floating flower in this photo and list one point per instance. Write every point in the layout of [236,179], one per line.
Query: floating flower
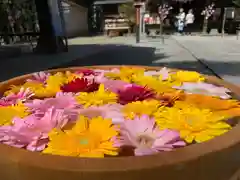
[193,124]
[111,85]
[131,93]
[99,97]
[139,108]
[163,73]
[187,76]
[168,99]
[205,89]
[31,132]
[86,72]
[125,74]
[109,111]
[40,77]
[210,102]
[31,85]
[142,134]
[21,96]
[9,112]
[155,83]
[65,101]
[88,138]
[80,85]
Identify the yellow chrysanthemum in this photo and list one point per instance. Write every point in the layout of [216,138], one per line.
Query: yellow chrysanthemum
[155,83]
[88,138]
[193,124]
[9,112]
[125,74]
[30,85]
[138,108]
[187,76]
[97,98]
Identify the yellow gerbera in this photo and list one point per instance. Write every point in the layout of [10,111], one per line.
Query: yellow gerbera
[193,124]
[155,83]
[187,76]
[9,112]
[138,108]
[125,74]
[97,98]
[88,138]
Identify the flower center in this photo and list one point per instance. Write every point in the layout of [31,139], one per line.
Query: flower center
[84,141]
[88,140]
[145,140]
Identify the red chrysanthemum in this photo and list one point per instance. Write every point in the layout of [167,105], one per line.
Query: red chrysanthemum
[86,72]
[132,93]
[80,85]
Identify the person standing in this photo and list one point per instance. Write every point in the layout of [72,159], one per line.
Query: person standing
[181,20]
[189,20]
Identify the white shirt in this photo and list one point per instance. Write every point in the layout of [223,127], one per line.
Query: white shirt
[189,18]
[181,16]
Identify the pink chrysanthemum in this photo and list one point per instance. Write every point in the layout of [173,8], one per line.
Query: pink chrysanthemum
[142,134]
[31,132]
[40,77]
[22,95]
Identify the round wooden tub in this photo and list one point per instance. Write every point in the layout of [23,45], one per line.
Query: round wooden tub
[217,159]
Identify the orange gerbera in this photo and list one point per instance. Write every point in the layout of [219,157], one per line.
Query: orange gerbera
[209,102]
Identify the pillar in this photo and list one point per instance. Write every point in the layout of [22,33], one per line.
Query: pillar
[48,41]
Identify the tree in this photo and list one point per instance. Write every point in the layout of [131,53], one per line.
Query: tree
[129,11]
[207,13]
[236,2]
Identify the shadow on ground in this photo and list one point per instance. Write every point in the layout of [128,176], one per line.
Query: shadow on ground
[97,54]
[230,68]
[114,55]
[78,55]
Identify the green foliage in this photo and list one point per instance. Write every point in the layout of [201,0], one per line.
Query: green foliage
[236,2]
[128,11]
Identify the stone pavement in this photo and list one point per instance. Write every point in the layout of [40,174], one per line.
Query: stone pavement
[106,51]
[222,55]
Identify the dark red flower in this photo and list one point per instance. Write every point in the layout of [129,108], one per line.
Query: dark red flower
[80,85]
[132,93]
[86,72]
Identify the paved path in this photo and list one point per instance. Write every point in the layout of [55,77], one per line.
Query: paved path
[106,51]
[222,55]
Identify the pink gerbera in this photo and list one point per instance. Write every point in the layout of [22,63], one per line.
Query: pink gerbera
[13,98]
[142,134]
[31,132]
[109,111]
